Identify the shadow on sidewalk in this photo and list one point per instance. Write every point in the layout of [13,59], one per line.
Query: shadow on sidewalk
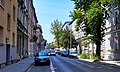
[110,64]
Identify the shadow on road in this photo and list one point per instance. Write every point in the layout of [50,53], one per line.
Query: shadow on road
[107,64]
[42,64]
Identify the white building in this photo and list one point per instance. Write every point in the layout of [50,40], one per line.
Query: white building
[79,35]
[111,46]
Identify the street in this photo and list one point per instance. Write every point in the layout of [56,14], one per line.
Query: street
[65,64]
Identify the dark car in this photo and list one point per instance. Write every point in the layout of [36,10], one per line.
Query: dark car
[41,58]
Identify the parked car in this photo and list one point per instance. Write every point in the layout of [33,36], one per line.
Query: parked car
[57,51]
[52,53]
[41,58]
[73,55]
[64,53]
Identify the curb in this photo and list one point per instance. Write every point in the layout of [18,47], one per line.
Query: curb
[87,60]
[29,67]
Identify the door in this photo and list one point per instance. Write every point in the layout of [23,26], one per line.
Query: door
[7,54]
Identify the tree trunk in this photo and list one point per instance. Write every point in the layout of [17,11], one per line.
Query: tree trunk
[58,43]
[98,48]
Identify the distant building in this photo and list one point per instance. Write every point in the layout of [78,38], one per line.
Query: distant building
[39,37]
[79,36]
[32,35]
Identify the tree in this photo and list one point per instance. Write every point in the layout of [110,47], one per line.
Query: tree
[65,39]
[117,2]
[56,30]
[91,17]
[51,46]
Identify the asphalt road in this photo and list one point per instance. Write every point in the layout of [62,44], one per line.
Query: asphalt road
[65,64]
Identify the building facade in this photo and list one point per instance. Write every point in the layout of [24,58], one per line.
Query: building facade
[39,36]
[78,35]
[22,29]
[18,35]
[32,36]
[111,46]
[26,31]
[8,31]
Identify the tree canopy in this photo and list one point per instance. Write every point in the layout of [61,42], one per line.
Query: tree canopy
[91,16]
[56,30]
[68,39]
[63,38]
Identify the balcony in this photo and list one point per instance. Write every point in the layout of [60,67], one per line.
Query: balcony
[33,39]
[37,27]
[34,27]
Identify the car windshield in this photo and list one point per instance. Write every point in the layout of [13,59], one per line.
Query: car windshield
[57,50]
[42,53]
[52,51]
[73,53]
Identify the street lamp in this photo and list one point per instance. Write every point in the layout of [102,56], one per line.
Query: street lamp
[67,23]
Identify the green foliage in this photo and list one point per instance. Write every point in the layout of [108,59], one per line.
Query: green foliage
[56,30]
[92,15]
[117,2]
[62,37]
[51,45]
[95,56]
[85,56]
[65,39]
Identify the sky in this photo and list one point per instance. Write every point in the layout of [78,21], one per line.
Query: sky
[49,10]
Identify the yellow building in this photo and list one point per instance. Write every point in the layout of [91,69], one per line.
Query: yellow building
[8,31]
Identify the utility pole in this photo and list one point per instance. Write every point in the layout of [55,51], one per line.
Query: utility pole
[70,37]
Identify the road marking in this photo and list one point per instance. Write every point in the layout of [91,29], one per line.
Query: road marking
[86,64]
[51,67]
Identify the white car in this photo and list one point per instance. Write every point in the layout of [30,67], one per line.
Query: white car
[73,55]
[52,53]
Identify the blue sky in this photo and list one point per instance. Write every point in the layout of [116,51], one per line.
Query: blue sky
[49,10]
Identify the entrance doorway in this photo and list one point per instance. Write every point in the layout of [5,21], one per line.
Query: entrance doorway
[7,54]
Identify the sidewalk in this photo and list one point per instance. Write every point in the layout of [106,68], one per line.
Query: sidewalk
[111,63]
[20,66]
[115,64]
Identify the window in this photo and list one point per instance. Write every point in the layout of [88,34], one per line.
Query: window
[13,12]
[8,22]
[13,39]
[1,34]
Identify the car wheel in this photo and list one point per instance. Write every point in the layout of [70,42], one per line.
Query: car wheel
[69,57]
[36,63]
[48,63]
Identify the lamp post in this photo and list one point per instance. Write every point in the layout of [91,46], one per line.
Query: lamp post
[70,36]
